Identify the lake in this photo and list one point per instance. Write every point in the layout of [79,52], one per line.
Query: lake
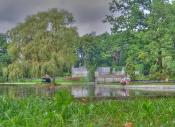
[97,91]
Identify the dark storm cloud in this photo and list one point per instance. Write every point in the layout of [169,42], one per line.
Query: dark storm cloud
[88,13]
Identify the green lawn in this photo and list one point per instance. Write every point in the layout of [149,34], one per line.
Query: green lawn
[64,111]
[63,81]
[58,80]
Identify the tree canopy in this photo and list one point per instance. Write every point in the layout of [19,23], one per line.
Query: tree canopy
[44,43]
[147,30]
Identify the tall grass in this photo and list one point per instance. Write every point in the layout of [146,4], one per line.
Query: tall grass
[64,111]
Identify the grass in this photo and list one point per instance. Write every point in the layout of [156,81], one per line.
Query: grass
[63,81]
[58,80]
[63,111]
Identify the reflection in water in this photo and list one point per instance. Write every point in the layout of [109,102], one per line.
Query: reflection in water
[91,91]
[79,91]
[25,91]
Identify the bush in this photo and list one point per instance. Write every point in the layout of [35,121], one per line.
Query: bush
[157,76]
[118,68]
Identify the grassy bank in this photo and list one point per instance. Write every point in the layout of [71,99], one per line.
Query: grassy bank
[63,111]
[58,80]
[80,81]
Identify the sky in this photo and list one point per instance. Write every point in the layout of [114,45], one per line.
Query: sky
[88,13]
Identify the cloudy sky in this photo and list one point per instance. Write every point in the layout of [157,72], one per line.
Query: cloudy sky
[88,13]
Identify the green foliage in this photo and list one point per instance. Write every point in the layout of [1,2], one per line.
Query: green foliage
[62,111]
[130,69]
[118,68]
[5,59]
[95,51]
[44,43]
[147,33]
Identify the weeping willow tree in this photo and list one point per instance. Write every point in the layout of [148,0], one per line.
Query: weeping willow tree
[44,43]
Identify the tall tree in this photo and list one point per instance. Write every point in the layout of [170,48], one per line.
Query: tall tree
[44,43]
[147,27]
[128,15]
[159,38]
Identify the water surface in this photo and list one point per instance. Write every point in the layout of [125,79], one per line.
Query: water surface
[81,91]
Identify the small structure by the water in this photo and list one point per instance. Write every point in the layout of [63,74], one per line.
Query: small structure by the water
[103,70]
[79,72]
[104,75]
